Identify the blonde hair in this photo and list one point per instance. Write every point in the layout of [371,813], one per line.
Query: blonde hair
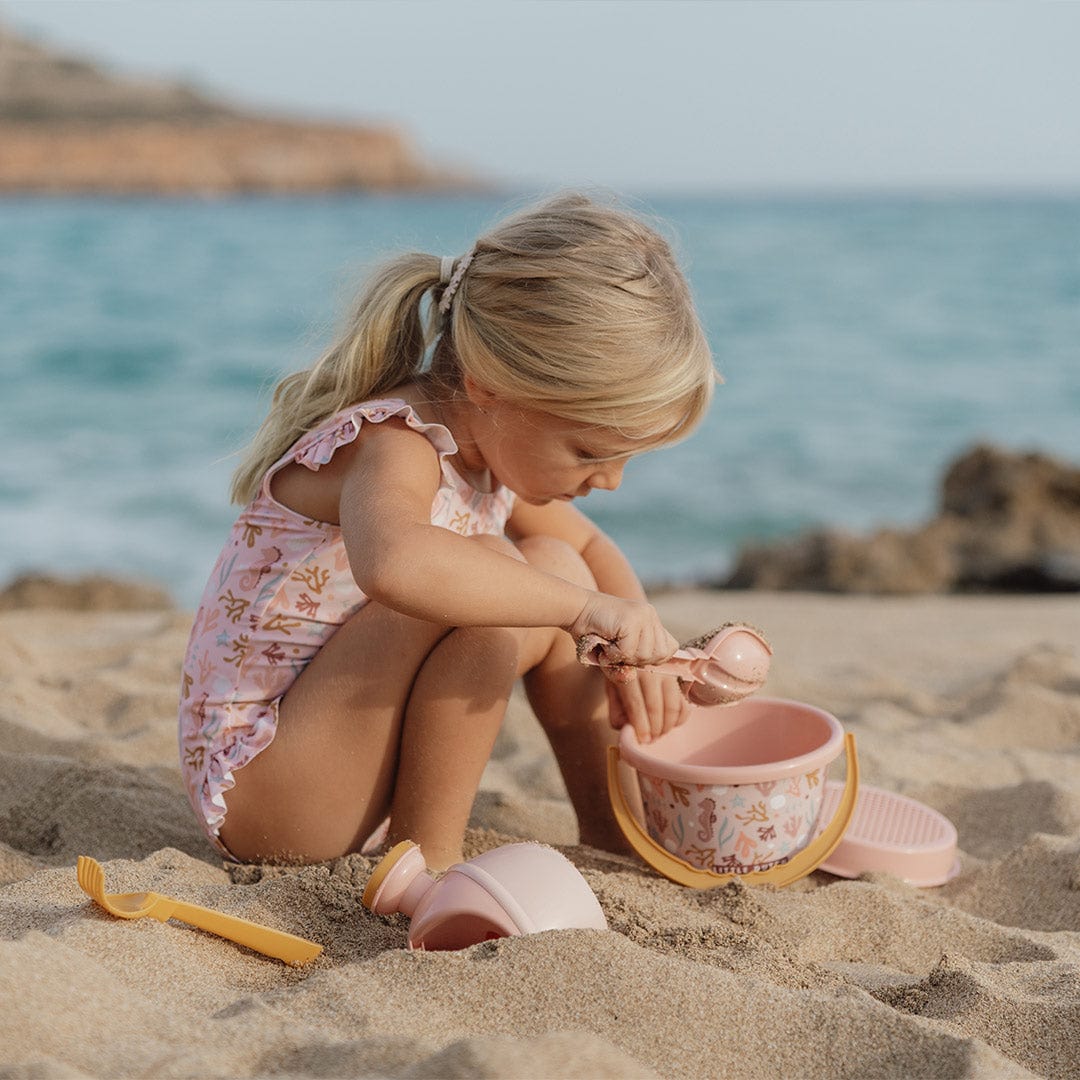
[571,307]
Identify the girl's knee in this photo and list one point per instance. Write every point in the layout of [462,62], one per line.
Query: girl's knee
[499,543]
[545,553]
[530,645]
[557,557]
[491,655]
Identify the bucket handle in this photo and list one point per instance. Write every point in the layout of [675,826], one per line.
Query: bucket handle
[680,871]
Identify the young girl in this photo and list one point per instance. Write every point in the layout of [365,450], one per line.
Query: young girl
[409,547]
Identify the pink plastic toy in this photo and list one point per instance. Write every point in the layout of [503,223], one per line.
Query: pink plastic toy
[510,890]
[893,834]
[741,791]
[734,790]
[718,668]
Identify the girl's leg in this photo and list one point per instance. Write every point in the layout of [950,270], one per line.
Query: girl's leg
[393,714]
[570,701]
[451,722]
[398,714]
[326,781]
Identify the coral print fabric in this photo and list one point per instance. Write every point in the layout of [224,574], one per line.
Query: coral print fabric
[732,829]
[279,590]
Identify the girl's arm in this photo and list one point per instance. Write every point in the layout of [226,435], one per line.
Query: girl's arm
[400,559]
[651,703]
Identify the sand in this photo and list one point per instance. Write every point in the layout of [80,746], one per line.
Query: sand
[971,705]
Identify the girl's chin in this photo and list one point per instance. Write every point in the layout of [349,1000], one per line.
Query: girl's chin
[543,500]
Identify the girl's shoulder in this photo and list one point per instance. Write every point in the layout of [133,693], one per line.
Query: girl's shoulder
[318,446]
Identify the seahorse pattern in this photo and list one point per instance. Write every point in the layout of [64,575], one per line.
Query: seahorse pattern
[732,828]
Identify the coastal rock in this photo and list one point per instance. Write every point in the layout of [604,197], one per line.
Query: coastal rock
[41,84]
[69,126]
[1007,522]
[94,592]
[209,157]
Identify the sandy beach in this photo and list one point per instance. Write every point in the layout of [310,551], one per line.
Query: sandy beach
[969,704]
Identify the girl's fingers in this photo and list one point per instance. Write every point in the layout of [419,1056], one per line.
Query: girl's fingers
[665,703]
[631,629]
[651,647]
[619,674]
[616,712]
[676,707]
[651,704]
[633,708]
[670,645]
[645,706]
[652,700]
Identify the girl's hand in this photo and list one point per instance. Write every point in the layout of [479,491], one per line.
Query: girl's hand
[651,704]
[632,626]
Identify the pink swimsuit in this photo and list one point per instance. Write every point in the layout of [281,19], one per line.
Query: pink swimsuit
[279,590]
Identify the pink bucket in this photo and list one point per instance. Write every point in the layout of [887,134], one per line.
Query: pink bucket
[737,789]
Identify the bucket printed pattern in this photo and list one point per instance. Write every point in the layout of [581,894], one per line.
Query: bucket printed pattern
[735,828]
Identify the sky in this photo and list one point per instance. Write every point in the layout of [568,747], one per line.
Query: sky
[640,95]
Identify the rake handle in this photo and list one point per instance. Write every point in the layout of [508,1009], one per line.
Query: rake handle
[263,939]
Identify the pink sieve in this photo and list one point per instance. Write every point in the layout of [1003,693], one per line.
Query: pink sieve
[892,834]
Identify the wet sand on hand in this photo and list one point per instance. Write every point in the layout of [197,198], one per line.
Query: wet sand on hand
[969,704]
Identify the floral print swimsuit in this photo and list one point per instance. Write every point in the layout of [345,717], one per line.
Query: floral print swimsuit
[280,589]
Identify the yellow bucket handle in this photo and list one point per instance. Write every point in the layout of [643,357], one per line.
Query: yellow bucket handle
[678,870]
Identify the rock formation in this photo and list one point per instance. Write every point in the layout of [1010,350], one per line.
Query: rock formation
[67,125]
[91,592]
[1006,522]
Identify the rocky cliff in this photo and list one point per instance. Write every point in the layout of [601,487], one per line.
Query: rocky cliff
[68,125]
[1007,522]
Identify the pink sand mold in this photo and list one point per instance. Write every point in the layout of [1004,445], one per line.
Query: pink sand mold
[717,669]
[893,834]
[510,890]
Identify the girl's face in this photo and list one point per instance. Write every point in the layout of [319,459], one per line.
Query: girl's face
[542,458]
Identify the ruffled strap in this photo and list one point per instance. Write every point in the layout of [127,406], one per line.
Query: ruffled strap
[316,448]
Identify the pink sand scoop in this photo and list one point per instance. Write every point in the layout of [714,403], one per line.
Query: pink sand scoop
[510,890]
[720,668]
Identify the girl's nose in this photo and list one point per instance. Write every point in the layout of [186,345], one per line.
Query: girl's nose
[608,477]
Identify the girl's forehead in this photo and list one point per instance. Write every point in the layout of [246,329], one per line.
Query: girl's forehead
[598,440]
[610,444]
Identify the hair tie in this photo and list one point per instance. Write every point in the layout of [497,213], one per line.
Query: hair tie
[455,280]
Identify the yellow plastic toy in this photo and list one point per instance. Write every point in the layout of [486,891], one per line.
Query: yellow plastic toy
[282,946]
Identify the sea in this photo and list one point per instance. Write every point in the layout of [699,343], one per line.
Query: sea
[865,341]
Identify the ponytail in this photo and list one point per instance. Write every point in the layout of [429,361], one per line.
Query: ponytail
[382,346]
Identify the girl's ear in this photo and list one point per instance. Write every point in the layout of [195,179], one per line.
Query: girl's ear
[479,395]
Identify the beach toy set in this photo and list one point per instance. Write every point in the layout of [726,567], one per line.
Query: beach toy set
[738,790]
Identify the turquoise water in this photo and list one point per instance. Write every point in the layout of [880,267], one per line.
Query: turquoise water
[864,343]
